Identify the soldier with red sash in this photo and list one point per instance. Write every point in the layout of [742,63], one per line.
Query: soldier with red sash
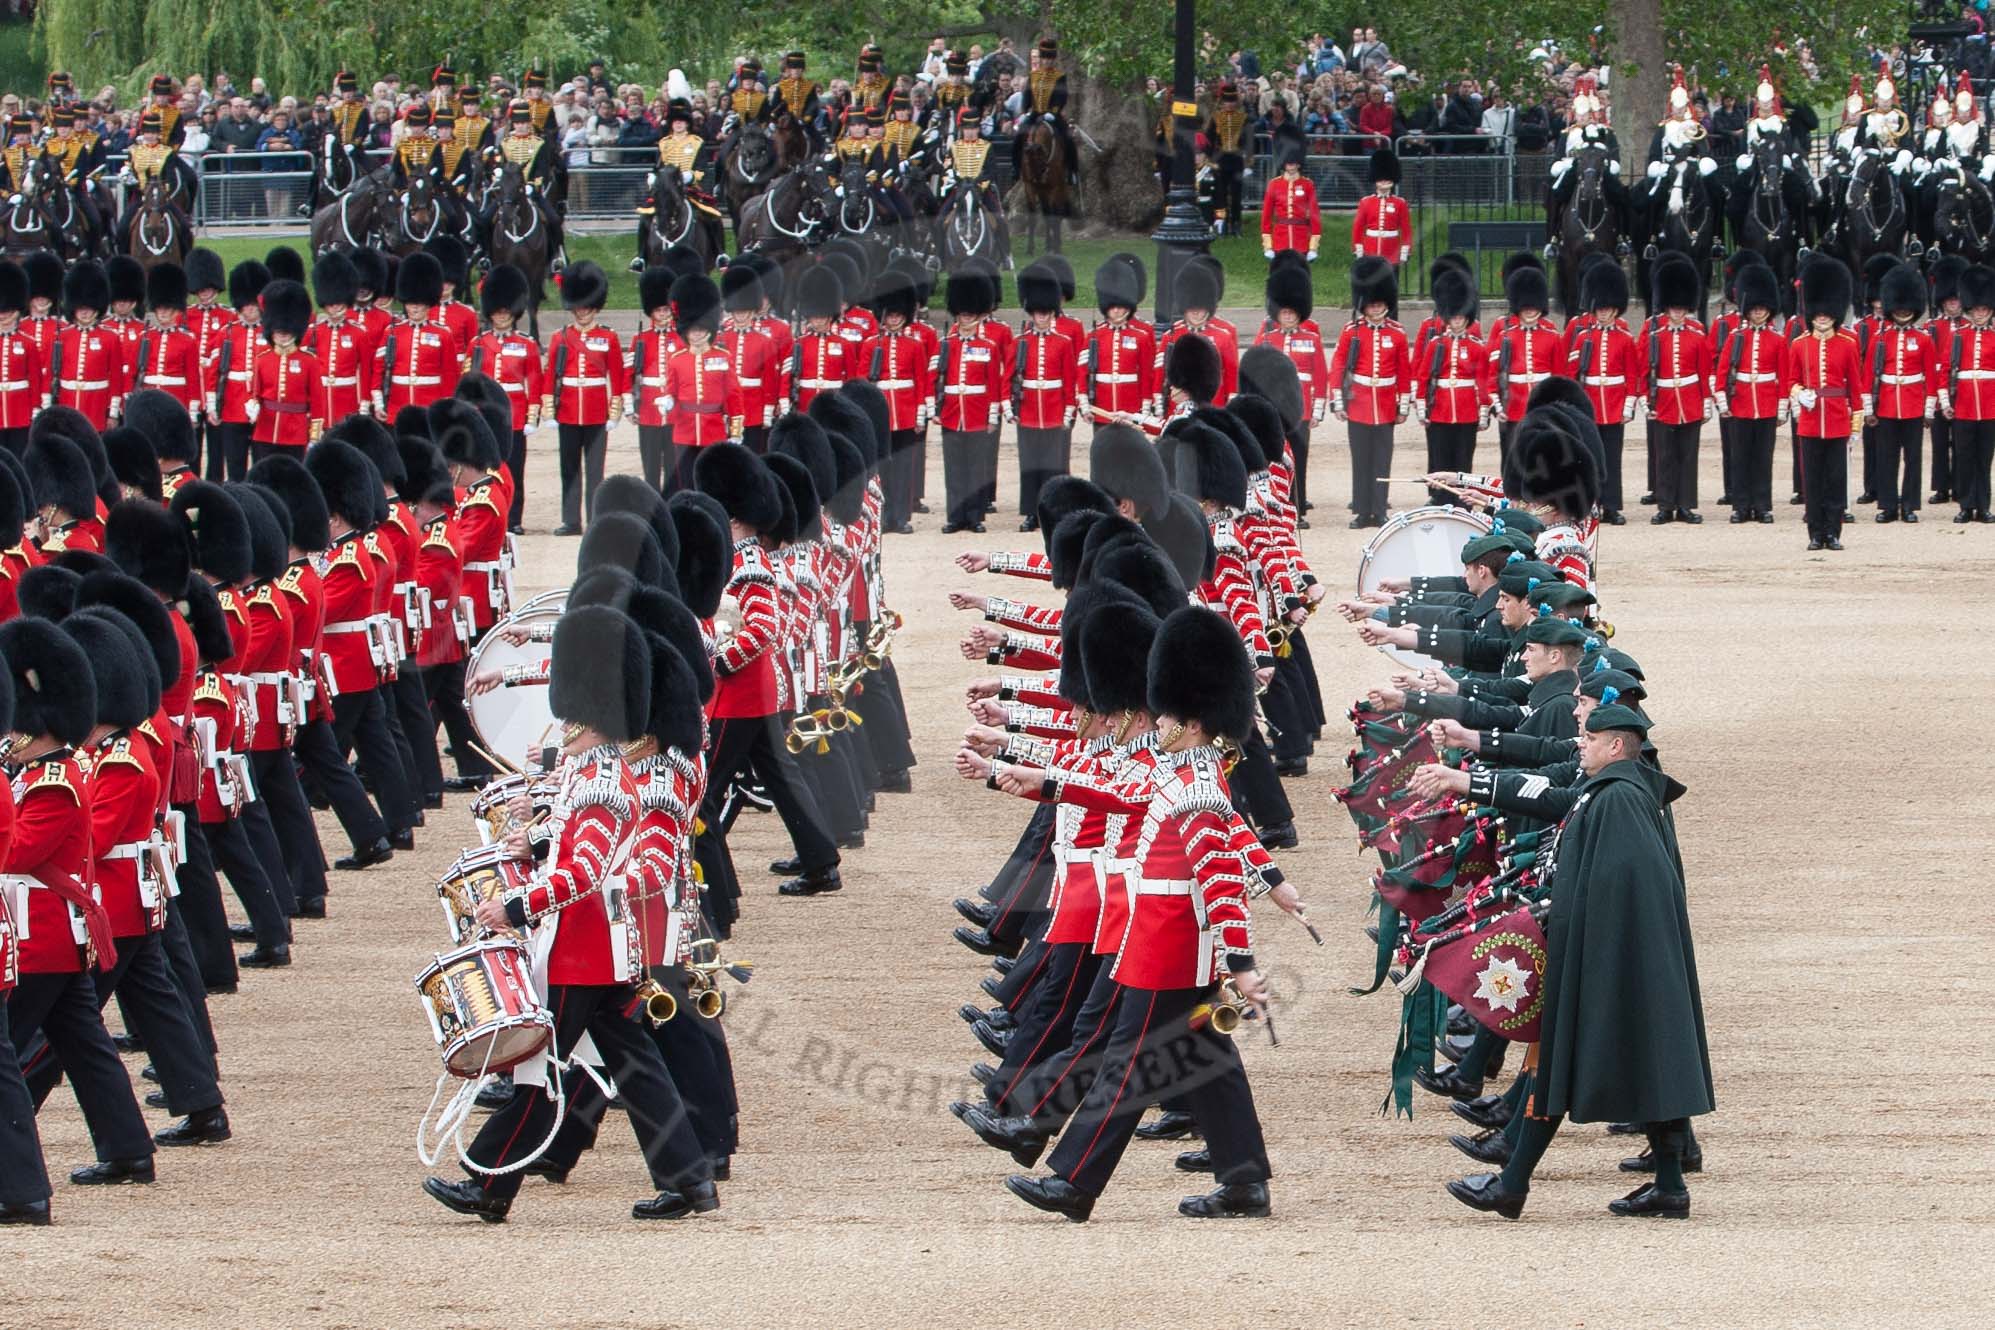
[287,397]
[343,348]
[417,359]
[703,403]
[600,690]
[1824,380]
[232,372]
[63,933]
[1677,356]
[1371,380]
[1382,227]
[585,385]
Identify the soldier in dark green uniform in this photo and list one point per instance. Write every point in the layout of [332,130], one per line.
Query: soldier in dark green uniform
[1623,1032]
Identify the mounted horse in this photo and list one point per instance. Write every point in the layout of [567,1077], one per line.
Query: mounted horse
[1043,186]
[353,220]
[1963,213]
[787,218]
[415,216]
[1870,212]
[159,231]
[47,215]
[760,152]
[1770,208]
[520,237]
[967,227]
[1683,211]
[677,218]
[1591,222]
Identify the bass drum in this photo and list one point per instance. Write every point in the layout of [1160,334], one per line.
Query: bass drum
[514,721]
[1420,542]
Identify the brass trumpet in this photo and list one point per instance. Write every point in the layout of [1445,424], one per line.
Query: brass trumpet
[703,978]
[657,1005]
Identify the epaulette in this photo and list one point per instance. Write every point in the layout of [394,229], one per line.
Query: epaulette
[373,542]
[1199,790]
[438,538]
[479,496]
[293,581]
[1225,538]
[210,689]
[147,729]
[265,594]
[348,554]
[604,791]
[232,604]
[55,776]
[121,751]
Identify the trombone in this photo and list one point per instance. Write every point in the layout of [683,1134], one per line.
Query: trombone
[703,978]
[1228,1011]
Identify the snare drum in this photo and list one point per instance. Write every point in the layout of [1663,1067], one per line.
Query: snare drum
[482,1008]
[483,874]
[513,721]
[1420,542]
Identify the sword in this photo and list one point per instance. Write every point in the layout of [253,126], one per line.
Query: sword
[1084,136]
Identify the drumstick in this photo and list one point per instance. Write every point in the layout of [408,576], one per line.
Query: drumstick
[493,758]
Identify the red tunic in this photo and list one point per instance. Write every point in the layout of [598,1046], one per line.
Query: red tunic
[1303,345]
[346,366]
[228,376]
[414,365]
[651,353]
[439,571]
[481,540]
[1119,368]
[124,796]
[704,400]
[745,664]
[1520,359]
[1222,335]
[1190,911]
[206,323]
[1607,363]
[1678,362]
[269,663]
[1749,371]
[1290,217]
[51,837]
[461,319]
[349,639]
[595,814]
[1449,377]
[169,359]
[1371,373]
[512,360]
[758,373]
[585,376]
[1382,228]
[1903,370]
[898,365]
[289,398]
[88,372]
[971,380]
[821,362]
[23,380]
[1045,380]
[1833,370]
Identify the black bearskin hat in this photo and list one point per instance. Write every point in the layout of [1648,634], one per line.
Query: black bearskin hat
[1550,462]
[164,421]
[1373,282]
[1525,289]
[44,273]
[1454,295]
[334,280]
[1199,671]
[1384,165]
[1123,461]
[1182,534]
[1116,284]
[373,441]
[13,508]
[838,413]
[208,624]
[126,679]
[1208,467]
[125,276]
[676,718]
[48,591]
[133,461]
[1757,287]
[483,391]
[801,437]
[150,544]
[246,282]
[971,292]
[85,286]
[1193,365]
[1264,423]
[1197,288]
[1236,432]
[706,553]
[286,308]
[804,514]
[505,288]
[1038,290]
[55,691]
[740,288]
[268,537]
[1677,284]
[146,611]
[166,287]
[1826,288]
[292,483]
[1289,288]
[654,288]
[740,482]
[600,672]
[847,502]
[1903,288]
[425,476]
[872,403]
[664,614]
[622,540]
[451,259]
[820,295]
[13,287]
[59,473]
[462,434]
[1066,547]
[629,494]
[1266,372]
[1064,495]
[584,286]
[1115,643]
[419,281]
[348,481]
[370,270]
[1605,286]
[204,271]
[1138,565]
[696,304]
[285,264]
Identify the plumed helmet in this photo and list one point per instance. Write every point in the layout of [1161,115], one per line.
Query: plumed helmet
[706,554]
[288,479]
[419,280]
[740,482]
[334,279]
[505,289]
[599,674]
[1199,671]
[55,690]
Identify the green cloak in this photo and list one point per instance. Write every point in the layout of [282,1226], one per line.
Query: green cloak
[1623,1035]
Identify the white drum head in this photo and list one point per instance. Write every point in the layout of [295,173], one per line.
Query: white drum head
[1420,542]
[512,721]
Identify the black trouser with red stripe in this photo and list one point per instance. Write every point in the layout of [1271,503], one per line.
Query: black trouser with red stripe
[1750,480]
[64,1008]
[1450,448]
[516,459]
[1051,1090]
[23,1175]
[1899,444]
[1025,876]
[1152,1053]
[1045,1024]
[739,745]
[360,722]
[645,1089]
[1825,481]
[1676,466]
[899,479]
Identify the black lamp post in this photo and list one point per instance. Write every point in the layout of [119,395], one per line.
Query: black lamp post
[1183,231]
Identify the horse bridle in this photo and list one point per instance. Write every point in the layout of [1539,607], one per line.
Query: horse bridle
[1594,175]
[1979,239]
[164,214]
[1767,193]
[435,218]
[1856,207]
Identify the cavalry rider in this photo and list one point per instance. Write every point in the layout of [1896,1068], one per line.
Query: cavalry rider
[870,87]
[1046,100]
[690,155]
[796,96]
[969,164]
[166,101]
[953,92]
[416,154]
[79,154]
[1885,126]
[443,89]
[1680,138]
[527,148]
[1227,134]
[19,153]
[474,128]
[747,102]
[1955,132]
[1589,129]
[61,92]
[150,156]
[455,167]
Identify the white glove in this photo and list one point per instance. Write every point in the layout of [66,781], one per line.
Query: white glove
[630,404]
[252,408]
[921,416]
[1723,407]
[1706,165]
[1902,160]
[1311,256]
[1322,407]
[1807,399]
[1613,168]
[194,415]
[1655,171]
[1745,161]
[1420,412]
[1628,411]
[1005,413]
[1561,166]
[1265,253]
[1932,405]
[14,200]
[1357,251]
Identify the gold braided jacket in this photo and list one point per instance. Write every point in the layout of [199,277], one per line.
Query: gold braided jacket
[680,150]
[748,102]
[1040,86]
[350,121]
[147,162]
[795,91]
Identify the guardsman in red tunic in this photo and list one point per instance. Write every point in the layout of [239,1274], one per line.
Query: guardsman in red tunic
[1383,225]
[972,381]
[479,532]
[452,313]
[900,365]
[59,473]
[62,930]
[169,356]
[1199,290]
[44,315]
[336,340]
[87,369]
[1525,353]
[1188,933]
[651,351]
[370,267]
[443,633]
[511,359]
[131,870]
[232,373]
[1290,216]
[1432,326]
[23,368]
[1825,383]
[124,319]
[1604,360]
[417,359]
[745,664]
[1904,373]
[1119,360]
[207,284]
[1946,321]
[1448,380]
[600,691]
[1676,356]
[1045,390]
[24,1189]
[702,401]
[1291,330]
[287,400]
[821,360]
[1371,380]
[1969,396]
[753,352]
[586,383]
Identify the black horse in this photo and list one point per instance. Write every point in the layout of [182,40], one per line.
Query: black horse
[1592,222]
[1683,211]
[787,218]
[1963,213]
[1771,207]
[520,237]
[1870,213]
